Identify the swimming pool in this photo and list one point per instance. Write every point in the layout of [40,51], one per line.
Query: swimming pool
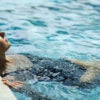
[54,29]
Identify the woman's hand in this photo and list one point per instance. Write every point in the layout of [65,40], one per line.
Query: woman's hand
[15,84]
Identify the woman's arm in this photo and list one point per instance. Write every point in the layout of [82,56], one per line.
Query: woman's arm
[85,64]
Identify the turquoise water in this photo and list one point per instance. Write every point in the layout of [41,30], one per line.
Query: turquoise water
[54,28]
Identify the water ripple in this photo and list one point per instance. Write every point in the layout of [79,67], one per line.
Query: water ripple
[54,22]
[54,28]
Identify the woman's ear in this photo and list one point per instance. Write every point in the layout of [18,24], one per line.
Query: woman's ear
[2,34]
[3,46]
[2,50]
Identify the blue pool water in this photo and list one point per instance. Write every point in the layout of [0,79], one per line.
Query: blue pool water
[54,28]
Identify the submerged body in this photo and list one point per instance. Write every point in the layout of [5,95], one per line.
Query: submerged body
[44,69]
[69,72]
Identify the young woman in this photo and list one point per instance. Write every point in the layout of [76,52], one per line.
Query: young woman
[66,71]
[6,62]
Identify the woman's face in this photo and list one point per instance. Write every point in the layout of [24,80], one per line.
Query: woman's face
[4,44]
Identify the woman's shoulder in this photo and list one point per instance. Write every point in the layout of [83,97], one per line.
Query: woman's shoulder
[19,58]
[19,62]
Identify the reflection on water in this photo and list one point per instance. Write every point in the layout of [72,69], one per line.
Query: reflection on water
[54,28]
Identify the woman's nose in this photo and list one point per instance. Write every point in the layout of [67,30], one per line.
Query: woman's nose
[2,34]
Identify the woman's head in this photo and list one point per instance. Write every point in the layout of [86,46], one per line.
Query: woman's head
[4,44]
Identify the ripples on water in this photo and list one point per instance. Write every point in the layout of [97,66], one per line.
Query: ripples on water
[48,27]
[54,28]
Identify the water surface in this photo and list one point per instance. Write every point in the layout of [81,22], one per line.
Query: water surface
[54,28]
